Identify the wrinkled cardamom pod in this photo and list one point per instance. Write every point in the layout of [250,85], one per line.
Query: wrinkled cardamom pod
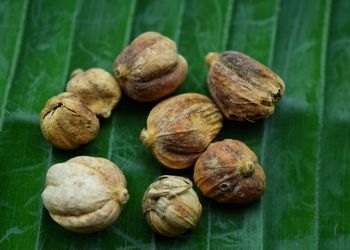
[180,128]
[171,206]
[67,123]
[97,89]
[228,171]
[150,67]
[243,88]
[85,194]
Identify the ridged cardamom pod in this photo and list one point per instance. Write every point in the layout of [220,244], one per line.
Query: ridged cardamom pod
[180,128]
[150,68]
[243,88]
[85,194]
[67,123]
[171,206]
[228,171]
[97,89]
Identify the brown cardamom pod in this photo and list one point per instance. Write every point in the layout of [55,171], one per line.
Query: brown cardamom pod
[150,67]
[243,88]
[67,123]
[228,171]
[180,128]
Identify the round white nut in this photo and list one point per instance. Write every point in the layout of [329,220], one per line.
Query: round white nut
[85,194]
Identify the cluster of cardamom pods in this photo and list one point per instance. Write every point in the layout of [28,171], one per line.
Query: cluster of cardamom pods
[86,194]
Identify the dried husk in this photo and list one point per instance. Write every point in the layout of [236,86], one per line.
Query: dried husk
[180,128]
[67,123]
[85,194]
[97,89]
[150,68]
[243,88]
[229,172]
[170,205]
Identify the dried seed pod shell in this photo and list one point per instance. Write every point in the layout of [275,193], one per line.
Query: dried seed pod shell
[180,128]
[66,123]
[85,194]
[150,68]
[243,88]
[171,206]
[97,89]
[228,171]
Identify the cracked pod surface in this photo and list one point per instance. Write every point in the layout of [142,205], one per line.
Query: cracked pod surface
[67,123]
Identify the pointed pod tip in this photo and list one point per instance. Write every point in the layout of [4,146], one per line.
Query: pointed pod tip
[146,138]
[247,169]
[122,71]
[76,72]
[123,196]
[211,58]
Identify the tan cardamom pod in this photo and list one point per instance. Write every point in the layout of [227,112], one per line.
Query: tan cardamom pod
[67,123]
[180,128]
[97,89]
[228,171]
[243,88]
[171,206]
[150,67]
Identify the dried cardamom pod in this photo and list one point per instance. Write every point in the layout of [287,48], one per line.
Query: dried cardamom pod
[228,171]
[171,206]
[180,128]
[97,89]
[85,194]
[150,67]
[67,123]
[243,88]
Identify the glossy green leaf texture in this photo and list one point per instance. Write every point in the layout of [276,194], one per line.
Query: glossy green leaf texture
[304,147]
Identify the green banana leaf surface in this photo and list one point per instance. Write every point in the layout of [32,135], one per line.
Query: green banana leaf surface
[303,147]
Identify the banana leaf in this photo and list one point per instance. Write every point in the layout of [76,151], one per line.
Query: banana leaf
[303,147]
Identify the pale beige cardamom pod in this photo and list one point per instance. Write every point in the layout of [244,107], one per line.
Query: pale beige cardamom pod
[171,206]
[228,171]
[180,128]
[150,68]
[67,123]
[85,194]
[97,89]
[243,88]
